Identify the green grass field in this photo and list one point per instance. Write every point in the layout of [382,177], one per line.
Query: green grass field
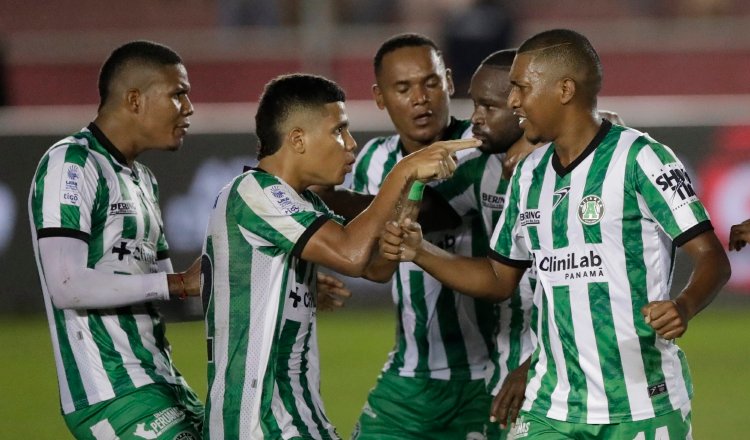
[353,346]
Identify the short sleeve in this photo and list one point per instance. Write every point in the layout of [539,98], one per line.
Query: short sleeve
[667,194]
[64,192]
[272,214]
[507,244]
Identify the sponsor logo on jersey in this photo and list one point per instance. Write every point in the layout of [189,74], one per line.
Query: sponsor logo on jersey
[70,188]
[674,182]
[122,208]
[279,197]
[573,266]
[163,420]
[520,429]
[657,389]
[72,176]
[530,217]
[184,435]
[493,201]
[559,196]
[590,210]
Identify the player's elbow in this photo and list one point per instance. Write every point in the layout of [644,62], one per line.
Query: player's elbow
[63,295]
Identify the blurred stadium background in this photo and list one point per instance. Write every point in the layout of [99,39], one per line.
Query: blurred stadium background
[678,69]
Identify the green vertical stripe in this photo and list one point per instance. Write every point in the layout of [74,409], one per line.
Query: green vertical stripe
[400,348]
[37,198]
[542,403]
[286,342]
[559,223]
[207,294]
[418,304]
[129,326]
[99,213]
[390,162]
[305,385]
[450,333]
[534,193]
[576,378]
[595,179]
[606,345]
[636,271]
[516,326]
[129,222]
[72,374]
[111,359]
[239,311]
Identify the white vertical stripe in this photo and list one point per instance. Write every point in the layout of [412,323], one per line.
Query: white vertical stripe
[145,324]
[218,232]
[282,416]
[620,293]
[87,356]
[264,310]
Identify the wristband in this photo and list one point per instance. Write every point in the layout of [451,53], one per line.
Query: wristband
[416,191]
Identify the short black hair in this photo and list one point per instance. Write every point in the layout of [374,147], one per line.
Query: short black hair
[141,51]
[501,59]
[399,41]
[573,51]
[281,97]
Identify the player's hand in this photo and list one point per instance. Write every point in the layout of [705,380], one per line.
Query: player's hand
[507,404]
[739,235]
[437,161]
[332,293]
[401,242]
[611,116]
[516,153]
[667,318]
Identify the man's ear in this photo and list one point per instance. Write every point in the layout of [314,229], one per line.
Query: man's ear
[567,90]
[296,139]
[449,82]
[378,95]
[133,100]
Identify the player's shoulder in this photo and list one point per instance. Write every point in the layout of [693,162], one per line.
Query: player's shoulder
[73,146]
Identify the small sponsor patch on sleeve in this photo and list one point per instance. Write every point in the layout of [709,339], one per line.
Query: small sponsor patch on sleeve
[282,200]
[675,184]
[70,185]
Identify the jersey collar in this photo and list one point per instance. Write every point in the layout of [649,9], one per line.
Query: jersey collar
[107,144]
[561,170]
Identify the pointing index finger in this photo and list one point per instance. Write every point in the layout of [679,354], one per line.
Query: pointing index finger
[461,144]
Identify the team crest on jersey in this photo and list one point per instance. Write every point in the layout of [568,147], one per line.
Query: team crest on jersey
[590,210]
[279,197]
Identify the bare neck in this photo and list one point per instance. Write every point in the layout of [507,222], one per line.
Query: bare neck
[576,135]
[121,134]
[285,168]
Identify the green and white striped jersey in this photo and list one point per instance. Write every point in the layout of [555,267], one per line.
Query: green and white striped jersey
[440,333]
[84,189]
[263,370]
[601,234]
[477,191]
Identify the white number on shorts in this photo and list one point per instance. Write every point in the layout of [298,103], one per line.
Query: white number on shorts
[661,433]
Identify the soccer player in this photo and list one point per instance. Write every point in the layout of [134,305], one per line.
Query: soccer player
[598,210]
[266,235]
[103,258]
[432,383]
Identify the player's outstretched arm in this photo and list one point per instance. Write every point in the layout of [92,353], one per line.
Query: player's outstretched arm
[347,249]
[477,277]
[72,285]
[711,270]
